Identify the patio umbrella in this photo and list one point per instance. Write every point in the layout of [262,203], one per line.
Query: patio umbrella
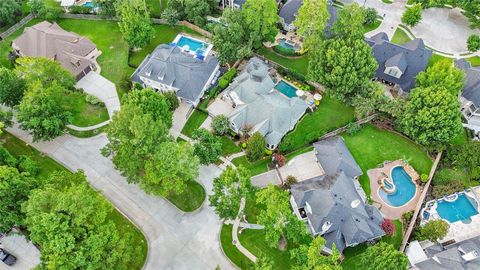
[317,97]
[300,93]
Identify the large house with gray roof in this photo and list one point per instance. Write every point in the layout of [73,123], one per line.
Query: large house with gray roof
[470,97]
[334,204]
[399,65]
[289,11]
[259,106]
[171,69]
[425,255]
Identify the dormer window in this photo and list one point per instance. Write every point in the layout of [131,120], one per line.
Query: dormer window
[308,208]
[326,226]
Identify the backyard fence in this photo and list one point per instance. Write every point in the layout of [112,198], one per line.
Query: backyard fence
[91,17]
[17,26]
[345,128]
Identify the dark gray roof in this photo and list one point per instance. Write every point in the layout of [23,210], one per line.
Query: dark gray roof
[450,257]
[398,60]
[333,197]
[239,2]
[413,56]
[471,90]
[290,9]
[169,65]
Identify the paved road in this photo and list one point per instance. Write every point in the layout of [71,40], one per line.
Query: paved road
[27,254]
[176,240]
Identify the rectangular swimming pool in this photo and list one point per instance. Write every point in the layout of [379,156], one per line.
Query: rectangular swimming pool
[458,210]
[286,89]
[194,46]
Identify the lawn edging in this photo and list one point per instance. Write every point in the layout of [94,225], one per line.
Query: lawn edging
[219,239]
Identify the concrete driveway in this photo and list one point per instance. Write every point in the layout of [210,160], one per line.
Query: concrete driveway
[180,117]
[98,86]
[176,240]
[28,256]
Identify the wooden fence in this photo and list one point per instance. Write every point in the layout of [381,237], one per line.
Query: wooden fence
[17,26]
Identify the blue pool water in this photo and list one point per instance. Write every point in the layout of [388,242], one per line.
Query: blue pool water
[195,46]
[404,188]
[88,4]
[287,89]
[282,42]
[460,209]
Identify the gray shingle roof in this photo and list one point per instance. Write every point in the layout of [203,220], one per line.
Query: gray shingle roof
[290,9]
[331,198]
[471,90]
[169,65]
[450,257]
[412,56]
[269,112]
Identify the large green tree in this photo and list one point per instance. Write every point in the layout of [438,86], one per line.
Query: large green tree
[382,256]
[207,147]
[255,147]
[343,66]
[228,189]
[44,70]
[69,220]
[152,103]
[261,17]
[432,116]
[311,21]
[169,169]
[413,15]
[349,24]
[9,9]
[11,87]
[433,230]
[196,11]
[465,156]
[442,74]
[473,43]
[135,23]
[310,257]
[14,190]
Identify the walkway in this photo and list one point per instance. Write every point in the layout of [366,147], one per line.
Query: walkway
[176,240]
[236,241]
[28,256]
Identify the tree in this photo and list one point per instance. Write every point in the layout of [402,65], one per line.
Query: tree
[106,8]
[413,15]
[169,169]
[442,74]
[371,15]
[255,147]
[172,100]
[135,23]
[9,9]
[383,256]
[388,227]
[433,230]
[14,190]
[228,189]
[261,17]
[171,16]
[196,11]
[152,103]
[314,258]
[44,70]
[311,21]
[11,87]
[465,155]
[231,38]
[207,147]
[42,11]
[220,125]
[432,116]
[277,217]
[69,220]
[452,186]
[344,67]
[41,111]
[473,43]
[264,263]
[349,24]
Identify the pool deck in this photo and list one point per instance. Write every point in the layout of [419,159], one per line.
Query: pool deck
[388,211]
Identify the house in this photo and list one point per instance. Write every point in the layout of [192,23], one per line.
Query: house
[333,203]
[470,97]
[398,65]
[261,107]
[174,68]
[75,53]
[232,3]
[289,11]
[462,255]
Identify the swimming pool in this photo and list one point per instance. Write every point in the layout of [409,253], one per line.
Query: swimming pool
[286,89]
[404,188]
[460,209]
[283,43]
[194,46]
[88,4]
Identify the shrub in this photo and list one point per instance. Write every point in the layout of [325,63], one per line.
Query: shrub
[268,152]
[446,189]
[6,158]
[92,99]
[473,43]
[214,92]
[371,15]
[279,160]
[353,128]
[227,78]
[27,165]
[433,230]
[220,125]
[407,216]
[80,9]
[424,178]
[290,180]
[413,15]
[255,147]
[172,100]
[388,227]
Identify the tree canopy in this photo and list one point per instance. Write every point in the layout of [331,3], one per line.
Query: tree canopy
[207,147]
[152,103]
[11,87]
[383,256]
[442,74]
[134,23]
[310,257]
[349,24]
[9,9]
[261,17]
[43,70]
[255,147]
[432,230]
[311,21]
[473,43]
[413,15]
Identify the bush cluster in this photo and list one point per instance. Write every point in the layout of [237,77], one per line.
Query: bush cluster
[227,78]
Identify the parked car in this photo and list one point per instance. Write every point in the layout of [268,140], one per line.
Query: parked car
[7,258]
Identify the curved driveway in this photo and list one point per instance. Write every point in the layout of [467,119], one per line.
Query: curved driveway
[176,240]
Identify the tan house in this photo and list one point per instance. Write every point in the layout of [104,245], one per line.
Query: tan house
[75,53]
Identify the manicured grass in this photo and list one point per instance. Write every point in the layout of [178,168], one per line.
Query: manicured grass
[231,251]
[47,166]
[256,167]
[330,115]
[86,134]
[474,61]
[84,113]
[372,146]
[191,199]
[254,241]
[400,37]
[436,58]
[370,27]
[164,34]
[194,122]
[229,147]
[300,65]
[387,1]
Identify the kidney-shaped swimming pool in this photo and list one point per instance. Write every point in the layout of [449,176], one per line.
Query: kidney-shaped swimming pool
[404,188]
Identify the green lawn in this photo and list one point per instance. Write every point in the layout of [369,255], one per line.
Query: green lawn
[231,251]
[86,134]
[229,147]
[256,167]
[84,113]
[436,58]
[370,27]
[191,199]
[474,61]
[47,165]
[372,146]
[400,37]
[194,122]
[300,65]
[330,115]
